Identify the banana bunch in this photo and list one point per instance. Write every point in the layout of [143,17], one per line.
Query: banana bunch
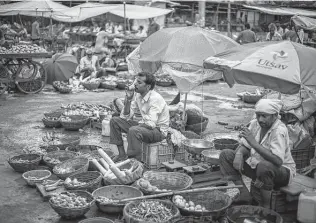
[49,137]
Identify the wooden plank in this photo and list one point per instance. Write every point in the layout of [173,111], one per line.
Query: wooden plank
[47,194]
[209,184]
[207,177]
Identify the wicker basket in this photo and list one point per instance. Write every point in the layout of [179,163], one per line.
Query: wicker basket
[96,220]
[166,180]
[58,155]
[55,85]
[131,219]
[77,165]
[72,213]
[91,178]
[31,162]
[199,127]
[77,122]
[91,86]
[107,86]
[70,140]
[51,123]
[251,98]
[40,176]
[115,192]
[54,114]
[65,90]
[215,202]
[164,83]
[193,117]
[225,143]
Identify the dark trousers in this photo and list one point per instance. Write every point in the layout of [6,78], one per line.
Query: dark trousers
[136,135]
[266,175]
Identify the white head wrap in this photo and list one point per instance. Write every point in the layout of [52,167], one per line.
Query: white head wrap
[269,106]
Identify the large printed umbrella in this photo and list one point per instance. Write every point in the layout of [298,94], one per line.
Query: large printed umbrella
[281,66]
[60,67]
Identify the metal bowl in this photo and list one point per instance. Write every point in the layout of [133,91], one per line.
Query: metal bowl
[196,146]
[211,156]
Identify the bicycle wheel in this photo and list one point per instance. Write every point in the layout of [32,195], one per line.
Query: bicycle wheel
[38,83]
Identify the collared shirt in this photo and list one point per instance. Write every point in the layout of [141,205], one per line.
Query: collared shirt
[276,37]
[276,140]
[152,28]
[246,36]
[86,62]
[280,31]
[153,110]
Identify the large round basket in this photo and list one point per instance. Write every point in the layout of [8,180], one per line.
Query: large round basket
[251,98]
[198,128]
[24,162]
[54,114]
[65,90]
[193,117]
[92,180]
[50,123]
[51,159]
[129,218]
[164,83]
[91,86]
[96,220]
[70,140]
[73,213]
[225,143]
[73,166]
[33,177]
[105,85]
[215,202]
[77,122]
[240,213]
[169,181]
[114,192]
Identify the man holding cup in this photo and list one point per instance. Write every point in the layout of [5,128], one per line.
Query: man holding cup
[150,126]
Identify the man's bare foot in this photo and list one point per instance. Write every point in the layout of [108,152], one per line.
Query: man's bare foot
[119,158]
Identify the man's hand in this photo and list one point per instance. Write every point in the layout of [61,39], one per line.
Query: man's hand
[238,163]
[129,95]
[245,133]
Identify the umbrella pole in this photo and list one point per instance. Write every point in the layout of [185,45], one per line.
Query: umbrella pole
[185,104]
[124,3]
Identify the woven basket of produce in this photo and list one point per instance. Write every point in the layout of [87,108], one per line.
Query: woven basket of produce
[89,181]
[225,143]
[54,114]
[74,122]
[96,220]
[56,85]
[206,203]
[36,176]
[70,167]
[107,85]
[164,83]
[133,171]
[71,205]
[51,122]
[51,159]
[24,162]
[65,90]
[160,211]
[111,193]
[91,85]
[70,140]
[251,98]
[193,117]
[154,182]
[199,127]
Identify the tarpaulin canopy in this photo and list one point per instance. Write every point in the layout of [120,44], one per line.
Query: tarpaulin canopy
[304,22]
[282,10]
[32,8]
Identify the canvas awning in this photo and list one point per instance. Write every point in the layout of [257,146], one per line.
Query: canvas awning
[304,22]
[282,11]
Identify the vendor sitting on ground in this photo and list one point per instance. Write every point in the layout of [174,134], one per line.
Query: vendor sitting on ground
[264,154]
[150,128]
[88,66]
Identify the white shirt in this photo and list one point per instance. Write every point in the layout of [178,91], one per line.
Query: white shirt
[86,62]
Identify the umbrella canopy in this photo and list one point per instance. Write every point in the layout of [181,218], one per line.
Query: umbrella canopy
[304,22]
[180,52]
[60,67]
[282,66]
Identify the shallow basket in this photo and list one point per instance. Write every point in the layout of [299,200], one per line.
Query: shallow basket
[91,86]
[51,123]
[225,143]
[40,175]
[193,117]
[251,99]
[199,127]
[107,86]
[91,178]
[60,155]
[70,140]
[79,165]
[96,220]
[77,122]
[170,181]
[65,90]
[54,114]
[215,202]
[164,83]
[72,213]
[32,162]
[115,192]
[131,219]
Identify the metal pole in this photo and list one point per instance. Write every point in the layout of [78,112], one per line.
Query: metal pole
[228,21]
[124,3]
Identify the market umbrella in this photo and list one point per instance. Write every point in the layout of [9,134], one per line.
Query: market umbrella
[283,66]
[60,67]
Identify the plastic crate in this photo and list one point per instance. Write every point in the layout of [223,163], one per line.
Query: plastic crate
[302,157]
[153,155]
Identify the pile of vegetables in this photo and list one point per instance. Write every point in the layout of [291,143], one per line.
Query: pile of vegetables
[64,170]
[60,85]
[91,110]
[103,199]
[145,184]
[23,49]
[51,185]
[74,182]
[35,150]
[164,77]
[180,202]
[69,200]
[151,211]
[20,161]
[51,160]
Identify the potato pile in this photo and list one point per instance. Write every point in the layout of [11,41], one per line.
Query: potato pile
[145,184]
[75,182]
[180,202]
[20,49]
[69,200]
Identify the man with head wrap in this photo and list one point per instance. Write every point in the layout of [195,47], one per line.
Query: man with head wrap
[264,153]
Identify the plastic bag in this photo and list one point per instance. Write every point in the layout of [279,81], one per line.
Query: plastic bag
[299,137]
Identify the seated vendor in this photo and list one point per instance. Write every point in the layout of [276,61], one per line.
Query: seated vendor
[88,66]
[141,32]
[153,123]
[264,154]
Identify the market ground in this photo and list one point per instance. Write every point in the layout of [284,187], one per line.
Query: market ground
[21,125]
